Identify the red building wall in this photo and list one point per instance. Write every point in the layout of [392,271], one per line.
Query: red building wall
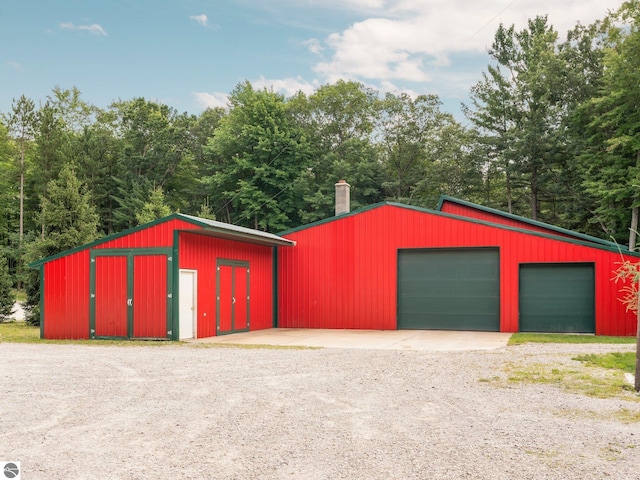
[66,280]
[199,252]
[343,273]
[470,212]
[66,297]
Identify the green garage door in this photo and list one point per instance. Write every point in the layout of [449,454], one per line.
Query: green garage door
[557,298]
[449,289]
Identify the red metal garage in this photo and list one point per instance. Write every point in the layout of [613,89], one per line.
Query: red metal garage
[384,267]
[353,271]
[178,277]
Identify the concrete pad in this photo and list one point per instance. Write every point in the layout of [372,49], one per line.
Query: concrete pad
[421,340]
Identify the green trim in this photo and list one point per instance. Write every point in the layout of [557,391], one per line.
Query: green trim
[274,291]
[92,297]
[338,217]
[600,246]
[174,322]
[536,223]
[130,254]
[221,262]
[230,232]
[130,289]
[108,238]
[41,302]
[118,252]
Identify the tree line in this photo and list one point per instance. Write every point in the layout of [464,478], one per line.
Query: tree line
[552,132]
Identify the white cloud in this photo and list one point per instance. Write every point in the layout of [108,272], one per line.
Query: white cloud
[407,39]
[202,19]
[94,28]
[15,65]
[314,46]
[211,100]
[287,86]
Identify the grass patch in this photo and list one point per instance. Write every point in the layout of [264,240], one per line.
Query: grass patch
[624,361]
[20,332]
[589,381]
[520,338]
[20,295]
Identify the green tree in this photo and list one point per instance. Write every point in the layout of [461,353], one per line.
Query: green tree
[518,107]
[154,208]
[22,124]
[410,143]
[611,124]
[339,120]
[154,140]
[69,221]
[266,158]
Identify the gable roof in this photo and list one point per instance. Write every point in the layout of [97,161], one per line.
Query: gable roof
[526,221]
[206,227]
[572,237]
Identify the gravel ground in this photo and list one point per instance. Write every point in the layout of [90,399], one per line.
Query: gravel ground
[187,412]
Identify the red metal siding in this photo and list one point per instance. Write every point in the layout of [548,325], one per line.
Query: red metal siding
[150,296]
[199,252]
[160,235]
[66,297]
[470,212]
[343,273]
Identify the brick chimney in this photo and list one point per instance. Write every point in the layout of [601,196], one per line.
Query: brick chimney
[343,197]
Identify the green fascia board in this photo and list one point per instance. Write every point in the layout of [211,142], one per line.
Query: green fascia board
[612,247]
[536,223]
[240,233]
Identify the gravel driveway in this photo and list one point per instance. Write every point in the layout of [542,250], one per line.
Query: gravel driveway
[187,412]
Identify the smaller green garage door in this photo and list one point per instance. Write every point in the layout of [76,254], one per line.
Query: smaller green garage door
[557,298]
[449,289]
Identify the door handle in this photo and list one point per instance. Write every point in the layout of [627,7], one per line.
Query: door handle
[233,300]
[129,302]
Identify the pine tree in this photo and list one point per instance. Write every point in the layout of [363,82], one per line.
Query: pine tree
[69,220]
[153,208]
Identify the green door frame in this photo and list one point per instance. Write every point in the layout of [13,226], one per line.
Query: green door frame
[221,262]
[129,253]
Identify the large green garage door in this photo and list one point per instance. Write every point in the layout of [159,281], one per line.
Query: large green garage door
[449,289]
[557,298]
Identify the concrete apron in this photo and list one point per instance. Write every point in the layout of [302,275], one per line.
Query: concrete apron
[422,340]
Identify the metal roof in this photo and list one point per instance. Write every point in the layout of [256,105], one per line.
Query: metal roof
[227,230]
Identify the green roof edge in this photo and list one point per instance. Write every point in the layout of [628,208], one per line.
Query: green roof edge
[608,246]
[446,198]
[187,218]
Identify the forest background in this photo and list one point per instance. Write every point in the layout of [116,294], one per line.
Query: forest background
[552,133]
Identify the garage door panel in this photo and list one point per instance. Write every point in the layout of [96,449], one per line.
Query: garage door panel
[449,289]
[557,298]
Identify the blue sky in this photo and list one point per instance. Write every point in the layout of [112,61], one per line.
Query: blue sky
[190,54]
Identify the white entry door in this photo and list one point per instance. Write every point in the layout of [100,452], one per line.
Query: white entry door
[188,303]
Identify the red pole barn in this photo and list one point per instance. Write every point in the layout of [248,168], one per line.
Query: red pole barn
[178,277]
[385,267]
[462,267]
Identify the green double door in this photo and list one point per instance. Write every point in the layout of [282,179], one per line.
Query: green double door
[232,296]
[449,289]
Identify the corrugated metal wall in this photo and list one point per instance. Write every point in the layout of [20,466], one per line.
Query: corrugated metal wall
[343,273]
[66,297]
[199,252]
[66,280]
[470,212]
